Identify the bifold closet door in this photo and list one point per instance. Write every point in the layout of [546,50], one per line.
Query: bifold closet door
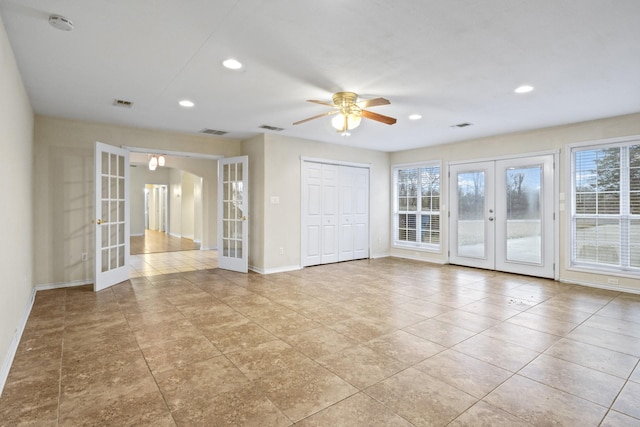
[320,218]
[335,213]
[354,213]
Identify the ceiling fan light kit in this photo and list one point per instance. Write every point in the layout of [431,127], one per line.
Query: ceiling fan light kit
[349,112]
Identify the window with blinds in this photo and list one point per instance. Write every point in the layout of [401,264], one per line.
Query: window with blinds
[417,206]
[605,219]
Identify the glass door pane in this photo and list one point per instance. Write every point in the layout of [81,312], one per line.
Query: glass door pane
[524,216]
[471,207]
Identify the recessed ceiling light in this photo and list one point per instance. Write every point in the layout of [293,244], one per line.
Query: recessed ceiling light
[232,64]
[415,117]
[524,89]
[186,103]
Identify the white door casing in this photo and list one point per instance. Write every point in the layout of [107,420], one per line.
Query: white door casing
[112,225]
[233,213]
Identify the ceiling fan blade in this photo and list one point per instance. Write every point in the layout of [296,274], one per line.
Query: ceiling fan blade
[328,113]
[373,102]
[315,101]
[378,117]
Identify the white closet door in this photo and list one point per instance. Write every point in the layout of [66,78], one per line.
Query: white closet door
[354,213]
[329,243]
[335,213]
[361,213]
[312,208]
[347,212]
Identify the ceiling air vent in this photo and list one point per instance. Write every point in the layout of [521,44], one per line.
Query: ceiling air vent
[213,132]
[267,127]
[461,125]
[122,103]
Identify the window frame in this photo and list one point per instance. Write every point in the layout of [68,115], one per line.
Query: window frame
[418,245]
[624,269]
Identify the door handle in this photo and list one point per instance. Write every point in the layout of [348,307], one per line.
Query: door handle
[99,221]
[490,218]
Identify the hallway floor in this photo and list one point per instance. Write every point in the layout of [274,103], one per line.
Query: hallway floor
[171,262]
[158,253]
[384,342]
[158,241]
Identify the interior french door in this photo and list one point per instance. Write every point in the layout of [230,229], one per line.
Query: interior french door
[111,179]
[233,230]
[502,215]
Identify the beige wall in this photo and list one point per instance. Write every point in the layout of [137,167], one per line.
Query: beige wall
[16,193]
[540,140]
[281,178]
[63,180]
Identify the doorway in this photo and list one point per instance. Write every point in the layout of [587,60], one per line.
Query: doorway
[502,215]
[156,207]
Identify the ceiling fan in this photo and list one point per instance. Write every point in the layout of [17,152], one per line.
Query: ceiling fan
[350,111]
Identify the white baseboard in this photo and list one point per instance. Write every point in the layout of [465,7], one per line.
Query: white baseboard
[213,248]
[48,286]
[136,235]
[13,347]
[179,236]
[384,255]
[600,286]
[275,270]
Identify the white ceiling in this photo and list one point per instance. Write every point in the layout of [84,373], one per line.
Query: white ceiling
[451,61]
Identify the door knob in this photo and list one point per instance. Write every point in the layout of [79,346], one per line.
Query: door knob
[490,218]
[99,221]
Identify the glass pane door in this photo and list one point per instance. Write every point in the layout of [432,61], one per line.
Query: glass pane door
[506,223]
[232,214]
[112,216]
[525,239]
[472,215]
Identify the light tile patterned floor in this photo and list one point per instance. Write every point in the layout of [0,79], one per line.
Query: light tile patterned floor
[384,342]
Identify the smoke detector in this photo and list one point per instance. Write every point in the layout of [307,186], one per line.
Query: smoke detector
[61,23]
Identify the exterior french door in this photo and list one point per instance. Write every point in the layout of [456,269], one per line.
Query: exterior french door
[502,215]
[111,179]
[233,198]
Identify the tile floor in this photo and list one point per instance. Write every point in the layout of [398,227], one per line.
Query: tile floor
[155,264]
[384,342]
